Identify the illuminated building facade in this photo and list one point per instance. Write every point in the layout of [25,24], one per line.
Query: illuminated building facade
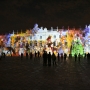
[39,39]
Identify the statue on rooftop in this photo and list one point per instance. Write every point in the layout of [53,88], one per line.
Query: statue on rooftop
[35,29]
[89,28]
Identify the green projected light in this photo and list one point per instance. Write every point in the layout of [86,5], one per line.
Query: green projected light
[77,48]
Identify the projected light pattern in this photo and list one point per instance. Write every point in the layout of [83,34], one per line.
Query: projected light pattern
[69,41]
[77,48]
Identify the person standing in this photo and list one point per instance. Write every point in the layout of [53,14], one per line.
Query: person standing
[65,56]
[35,54]
[54,59]
[45,58]
[31,55]
[79,56]
[38,54]
[26,55]
[75,57]
[49,59]
[21,56]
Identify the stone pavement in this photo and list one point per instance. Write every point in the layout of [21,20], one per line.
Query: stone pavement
[17,74]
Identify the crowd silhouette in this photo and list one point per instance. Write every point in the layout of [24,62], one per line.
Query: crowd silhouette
[49,59]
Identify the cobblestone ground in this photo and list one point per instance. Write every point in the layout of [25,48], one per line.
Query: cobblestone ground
[26,74]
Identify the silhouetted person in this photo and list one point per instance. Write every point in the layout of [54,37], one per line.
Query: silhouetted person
[31,55]
[49,59]
[35,54]
[54,59]
[38,54]
[88,56]
[65,56]
[70,56]
[45,58]
[75,56]
[21,56]
[85,55]
[26,55]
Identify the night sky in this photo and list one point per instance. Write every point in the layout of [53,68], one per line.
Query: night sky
[20,15]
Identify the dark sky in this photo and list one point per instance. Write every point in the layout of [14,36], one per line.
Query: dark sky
[23,14]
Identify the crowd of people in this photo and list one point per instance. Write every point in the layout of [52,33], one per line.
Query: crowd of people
[50,59]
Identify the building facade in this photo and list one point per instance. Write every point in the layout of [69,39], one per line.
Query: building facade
[58,40]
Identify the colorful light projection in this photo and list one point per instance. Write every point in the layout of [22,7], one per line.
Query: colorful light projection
[70,42]
[77,48]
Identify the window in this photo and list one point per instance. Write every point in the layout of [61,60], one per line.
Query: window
[40,37]
[54,36]
[35,43]
[54,43]
[40,43]
[30,37]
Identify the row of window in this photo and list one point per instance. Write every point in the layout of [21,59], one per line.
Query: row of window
[40,44]
[41,36]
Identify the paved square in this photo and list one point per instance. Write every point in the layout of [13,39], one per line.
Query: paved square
[17,74]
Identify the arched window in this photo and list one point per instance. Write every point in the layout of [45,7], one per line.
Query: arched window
[40,37]
[35,43]
[30,37]
[54,36]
